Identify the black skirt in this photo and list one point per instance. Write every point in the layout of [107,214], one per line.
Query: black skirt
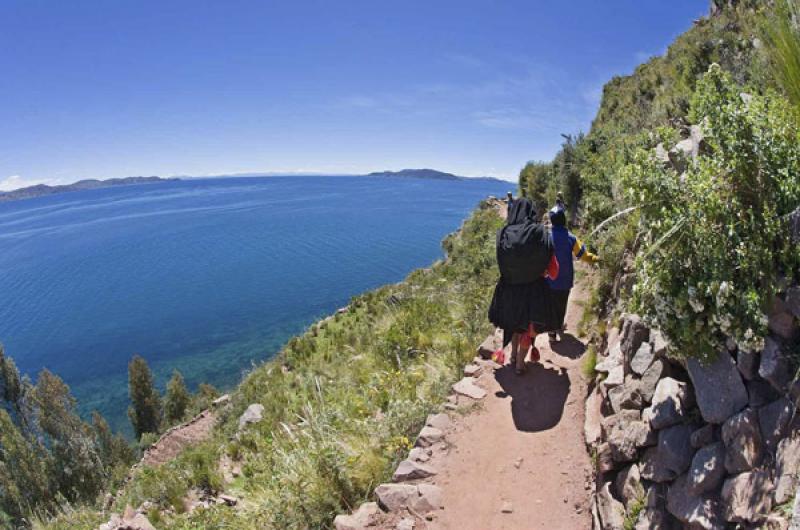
[515,306]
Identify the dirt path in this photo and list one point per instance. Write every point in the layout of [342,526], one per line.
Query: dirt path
[179,438]
[523,449]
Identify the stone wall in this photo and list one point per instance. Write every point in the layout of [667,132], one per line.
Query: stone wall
[682,444]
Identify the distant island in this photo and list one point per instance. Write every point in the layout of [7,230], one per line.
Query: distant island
[426,174]
[87,184]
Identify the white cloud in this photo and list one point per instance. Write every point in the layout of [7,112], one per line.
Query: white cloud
[15,182]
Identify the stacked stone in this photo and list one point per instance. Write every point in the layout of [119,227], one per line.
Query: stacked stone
[685,444]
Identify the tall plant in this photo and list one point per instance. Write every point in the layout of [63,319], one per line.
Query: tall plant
[783,44]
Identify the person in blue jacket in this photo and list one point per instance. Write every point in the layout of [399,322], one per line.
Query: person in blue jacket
[566,245]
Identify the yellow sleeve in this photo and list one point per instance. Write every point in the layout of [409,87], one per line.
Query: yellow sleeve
[580,252]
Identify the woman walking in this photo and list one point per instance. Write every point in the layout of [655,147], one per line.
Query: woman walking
[521,304]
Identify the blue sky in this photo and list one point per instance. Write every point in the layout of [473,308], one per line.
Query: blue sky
[111,88]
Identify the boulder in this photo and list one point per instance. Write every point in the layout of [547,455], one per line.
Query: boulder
[787,469]
[653,519]
[642,359]
[626,396]
[718,387]
[467,387]
[592,417]
[707,470]
[667,406]
[650,379]
[747,363]
[253,414]
[742,438]
[438,421]
[659,343]
[781,321]
[774,422]
[489,345]
[671,457]
[793,299]
[761,393]
[775,366]
[472,370]
[429,436]
[628,485]
[634,333]
[224,399]
[703,436]
[746,497]
[428,499]
[615,377]
[410,470]
[419,454]
[693,511]
[610,361]
[605,461]
[360,519]
[612,512]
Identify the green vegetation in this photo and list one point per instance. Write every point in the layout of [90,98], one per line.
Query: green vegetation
[176,400]
[342,402]
[145,409]
[635,509]
[49,457]
[696,288]
[783,39]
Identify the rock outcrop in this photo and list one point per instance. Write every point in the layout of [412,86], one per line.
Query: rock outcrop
[692,444]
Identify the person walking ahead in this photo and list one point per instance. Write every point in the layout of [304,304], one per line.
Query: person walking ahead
[521,304]
[566,245]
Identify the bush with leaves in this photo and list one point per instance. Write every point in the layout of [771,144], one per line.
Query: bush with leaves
[145,409]
[713,240]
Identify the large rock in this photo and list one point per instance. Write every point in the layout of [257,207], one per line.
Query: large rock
[423,498]
[694,511]
[617,432]
[605,460]
[653,519]
[626,396]
[253,414]
[615,377]
[410,470]
[787,469]
[746,497]
[718,387]
[747,363]
[659,343]
[775,366]
[361,519]
[761,393]
[671,457]
[703,436]
[650,378]
[439,421]
[429,436]
[592,418]
[781,321]
[774,422]
[610,361]
[467,387]
[628,485]
[667,406]
[742,438]
[612,512]
[634,333]
[642,359]
[489,345]
[707,470]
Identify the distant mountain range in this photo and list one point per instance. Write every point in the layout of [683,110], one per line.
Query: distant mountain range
[425,174]
[88,184]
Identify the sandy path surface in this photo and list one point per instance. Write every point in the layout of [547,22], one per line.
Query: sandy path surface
[178,438]
[523,448]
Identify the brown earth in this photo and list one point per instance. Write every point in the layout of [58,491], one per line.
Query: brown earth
[179,438]
[523,448]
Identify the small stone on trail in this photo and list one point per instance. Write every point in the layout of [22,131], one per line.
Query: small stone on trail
[406,524]
[507,507]
[429,436]
[472,370]
[467,388]
[438,421]
[410,470]
[518,463]
[253,414]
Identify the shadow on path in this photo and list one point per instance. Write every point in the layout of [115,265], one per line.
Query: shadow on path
[537,397]
[568,346]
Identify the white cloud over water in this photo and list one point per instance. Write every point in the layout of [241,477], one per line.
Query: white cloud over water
[14,182]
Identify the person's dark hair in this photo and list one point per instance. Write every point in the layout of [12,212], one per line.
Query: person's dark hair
[558,217]
[520,211]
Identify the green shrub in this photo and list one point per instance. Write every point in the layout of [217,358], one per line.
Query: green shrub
[713,241]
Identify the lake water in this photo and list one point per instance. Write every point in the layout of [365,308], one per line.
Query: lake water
[207,276]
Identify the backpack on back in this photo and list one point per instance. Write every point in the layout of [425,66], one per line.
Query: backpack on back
[523,251]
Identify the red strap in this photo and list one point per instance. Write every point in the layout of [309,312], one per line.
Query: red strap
[552,268]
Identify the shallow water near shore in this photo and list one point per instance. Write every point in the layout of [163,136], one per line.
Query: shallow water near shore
[207,276]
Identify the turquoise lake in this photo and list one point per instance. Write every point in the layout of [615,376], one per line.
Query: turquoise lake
[208,276]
